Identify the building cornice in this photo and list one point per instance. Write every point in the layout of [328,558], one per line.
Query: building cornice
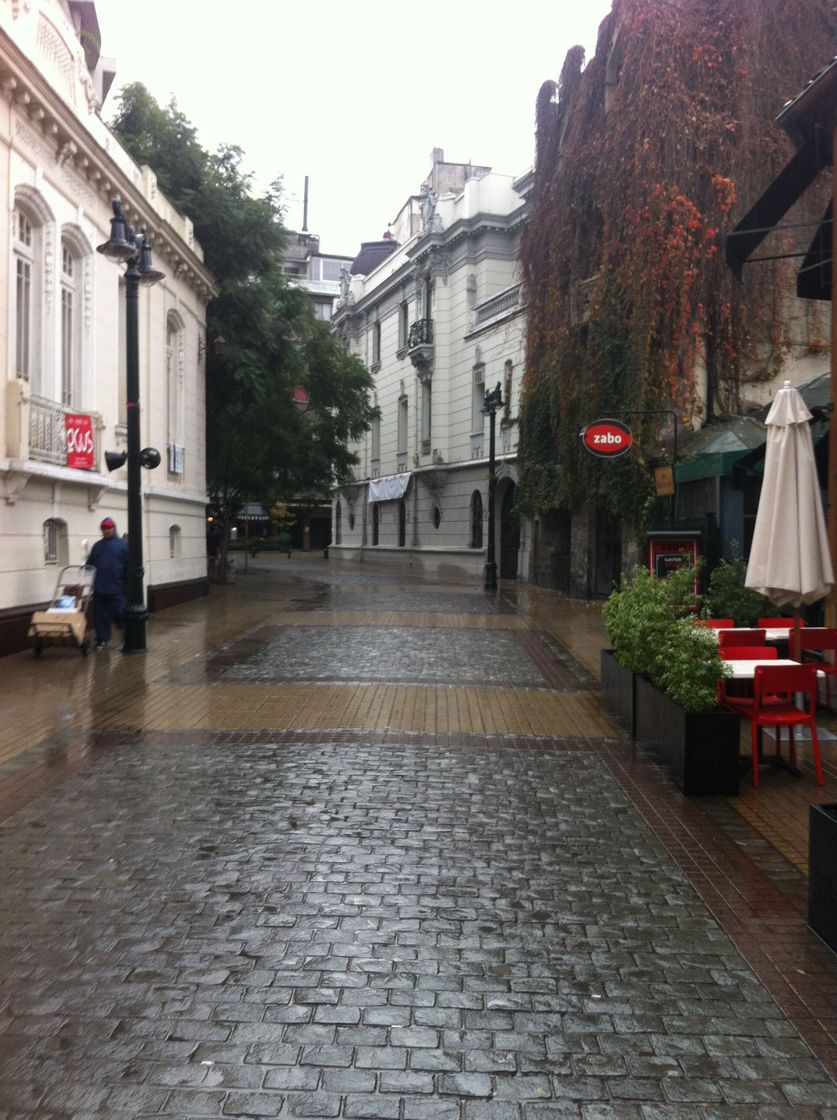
[73,146]
[420,253]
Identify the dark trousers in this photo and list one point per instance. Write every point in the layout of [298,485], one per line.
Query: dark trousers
[107,609]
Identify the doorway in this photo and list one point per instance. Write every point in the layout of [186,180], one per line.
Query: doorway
[509,532]
[607,559]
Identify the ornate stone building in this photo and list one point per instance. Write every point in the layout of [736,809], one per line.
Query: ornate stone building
[434,309]
[62,322]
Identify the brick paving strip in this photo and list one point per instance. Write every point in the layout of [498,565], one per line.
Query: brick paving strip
[401,919]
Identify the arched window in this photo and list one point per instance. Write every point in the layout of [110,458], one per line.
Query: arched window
[56,547]
[426,414]
[478,401]
[508,381]
[402,523]
[375,440]
[376,522]
[476,520]
[175,542]
[70,332]
[174,392]
[74,365]
[338,524]
[27,240]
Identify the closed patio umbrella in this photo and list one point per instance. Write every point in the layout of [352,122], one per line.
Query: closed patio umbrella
[789,557]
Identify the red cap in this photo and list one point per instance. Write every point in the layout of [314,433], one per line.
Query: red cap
[108,523]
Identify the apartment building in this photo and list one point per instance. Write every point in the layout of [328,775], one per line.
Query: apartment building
[434,309]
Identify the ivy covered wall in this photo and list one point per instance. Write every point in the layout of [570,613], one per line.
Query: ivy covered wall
[646,159]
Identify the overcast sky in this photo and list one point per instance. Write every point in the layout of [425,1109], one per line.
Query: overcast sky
[354,95]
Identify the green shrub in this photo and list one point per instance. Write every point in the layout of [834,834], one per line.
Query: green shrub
[650,622]
[692,665]
[727,597]
[640,613]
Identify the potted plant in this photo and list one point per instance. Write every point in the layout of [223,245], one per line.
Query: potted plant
[676,666]
[636,616]
[822,872]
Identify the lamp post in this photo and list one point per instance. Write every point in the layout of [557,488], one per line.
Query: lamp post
[493,401]
[126,246]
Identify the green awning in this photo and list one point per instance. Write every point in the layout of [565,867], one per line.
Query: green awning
[713,451]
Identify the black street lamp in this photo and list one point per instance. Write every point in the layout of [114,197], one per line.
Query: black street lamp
[493,401]
[132,249]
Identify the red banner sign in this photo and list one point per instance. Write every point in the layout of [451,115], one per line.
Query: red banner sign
[607,438]
[80,444]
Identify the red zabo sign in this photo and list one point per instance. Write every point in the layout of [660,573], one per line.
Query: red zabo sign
[607,438]
[80,446]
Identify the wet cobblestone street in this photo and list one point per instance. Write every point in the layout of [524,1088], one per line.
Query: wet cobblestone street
[376,653]
[206,911]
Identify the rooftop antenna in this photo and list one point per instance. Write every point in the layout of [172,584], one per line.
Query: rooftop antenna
[305,208]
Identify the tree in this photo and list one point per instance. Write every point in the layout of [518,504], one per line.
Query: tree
[260,446]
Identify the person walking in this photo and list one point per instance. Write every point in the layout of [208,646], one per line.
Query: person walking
[109,556]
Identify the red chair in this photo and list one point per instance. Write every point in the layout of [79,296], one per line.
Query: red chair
[717,623]
[751,653]
[727,638]
[815,643]
[742,653]
[773,705]
[778,623]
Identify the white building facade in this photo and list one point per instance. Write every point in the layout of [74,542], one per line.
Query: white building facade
[62,328]
[435,311]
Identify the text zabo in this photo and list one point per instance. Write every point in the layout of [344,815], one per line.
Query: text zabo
[607,438]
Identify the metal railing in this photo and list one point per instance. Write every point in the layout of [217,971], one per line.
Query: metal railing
[497,305]
[48,431]
[421,333]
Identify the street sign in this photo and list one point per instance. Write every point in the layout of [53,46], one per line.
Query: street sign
[664,481]
[607,438]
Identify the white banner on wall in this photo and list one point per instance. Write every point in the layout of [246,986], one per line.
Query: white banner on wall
[389,488]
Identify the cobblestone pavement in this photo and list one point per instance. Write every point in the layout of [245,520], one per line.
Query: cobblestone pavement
[240,918]
[377,653]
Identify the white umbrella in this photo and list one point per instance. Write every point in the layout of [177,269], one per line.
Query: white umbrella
[789,558]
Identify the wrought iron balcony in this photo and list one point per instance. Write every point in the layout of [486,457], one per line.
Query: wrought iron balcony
[420,345]
[421,333]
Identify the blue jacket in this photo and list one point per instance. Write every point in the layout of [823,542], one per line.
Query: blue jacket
[110,559]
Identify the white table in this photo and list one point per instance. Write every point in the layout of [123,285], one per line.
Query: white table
[746,670]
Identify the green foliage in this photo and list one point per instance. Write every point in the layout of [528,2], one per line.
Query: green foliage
[646,158]
[650,623]
[692,666]
[639,613]
[727,597]
[241,236]
[259,444]
[281,518]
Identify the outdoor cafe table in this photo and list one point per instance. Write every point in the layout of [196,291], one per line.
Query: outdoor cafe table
[746,670]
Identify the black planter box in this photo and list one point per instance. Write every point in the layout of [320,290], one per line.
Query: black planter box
[822,872]
[699,750]
[618,690]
